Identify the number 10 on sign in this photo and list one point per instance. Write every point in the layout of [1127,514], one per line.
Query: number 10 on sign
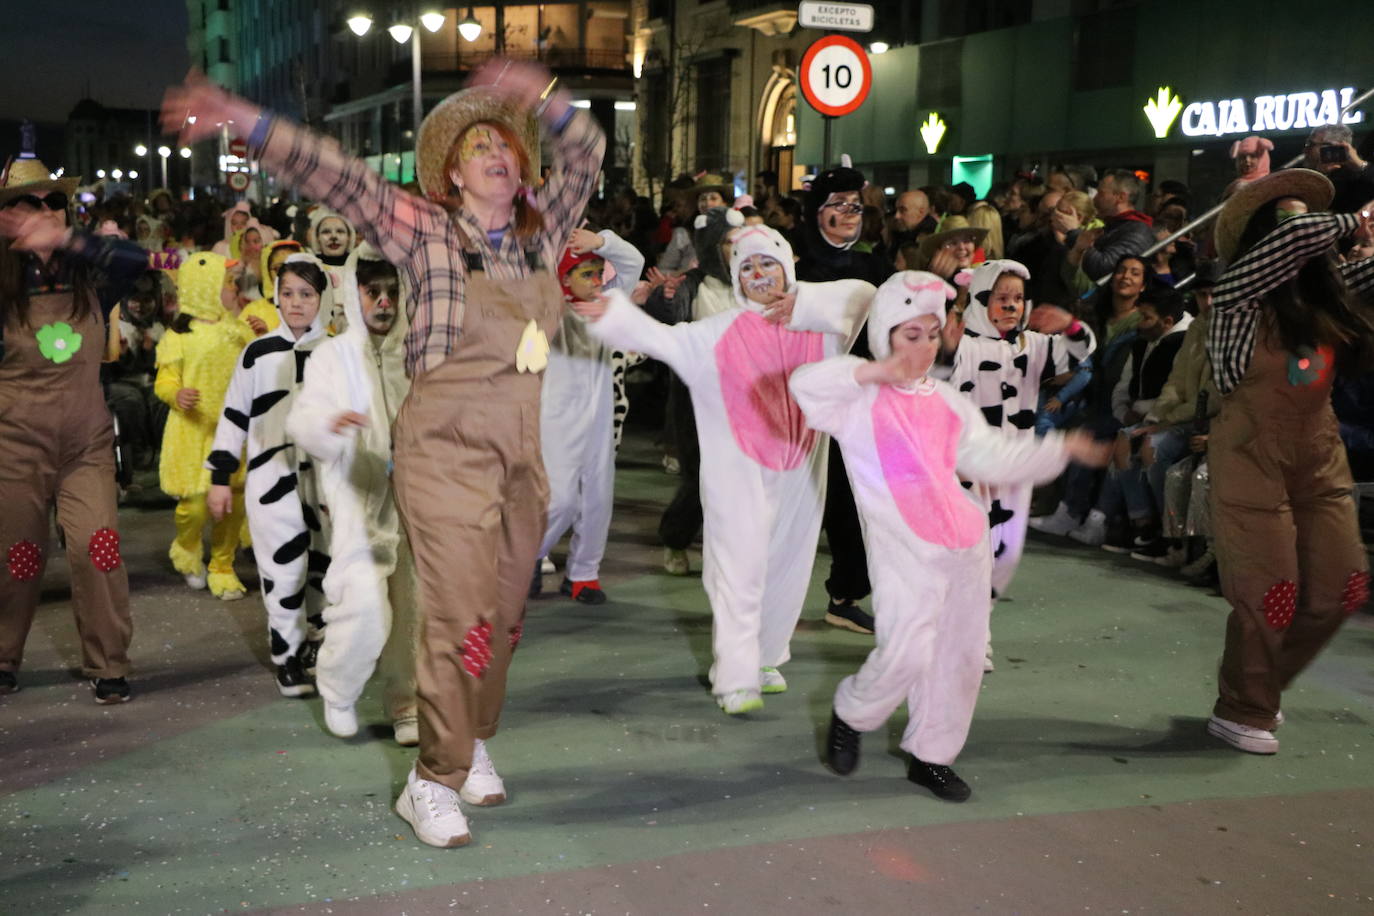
[835,75]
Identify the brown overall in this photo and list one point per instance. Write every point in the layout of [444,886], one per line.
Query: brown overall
[472,493]
[57,445]
[1287,537]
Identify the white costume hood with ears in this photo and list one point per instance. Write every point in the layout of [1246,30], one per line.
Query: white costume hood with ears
[319,215]
[356,331]
[749,241]
[904,296]
[976,317]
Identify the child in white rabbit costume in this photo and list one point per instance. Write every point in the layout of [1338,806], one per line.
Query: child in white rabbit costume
[762,470]
[907,439]
[354,385]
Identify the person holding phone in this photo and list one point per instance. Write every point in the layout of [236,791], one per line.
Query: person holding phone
[1330,150]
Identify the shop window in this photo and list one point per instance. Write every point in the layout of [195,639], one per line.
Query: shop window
[939,77]
[1104,49]
[713,112]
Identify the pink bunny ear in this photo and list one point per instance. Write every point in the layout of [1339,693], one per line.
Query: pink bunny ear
[963,278]
[1235,149]
[1265,144]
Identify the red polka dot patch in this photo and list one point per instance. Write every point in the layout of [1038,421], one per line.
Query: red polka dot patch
[24,560]
[1279,604]
[1356,593]
[104,549]
[476,650]
[515,633]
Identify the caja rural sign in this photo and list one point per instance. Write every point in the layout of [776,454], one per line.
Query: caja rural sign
[1260,114]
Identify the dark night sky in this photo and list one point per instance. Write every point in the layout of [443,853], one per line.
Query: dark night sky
[51,49]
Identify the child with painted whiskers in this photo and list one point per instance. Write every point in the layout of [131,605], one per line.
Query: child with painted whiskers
[290,544]
[907,440]
[762,471]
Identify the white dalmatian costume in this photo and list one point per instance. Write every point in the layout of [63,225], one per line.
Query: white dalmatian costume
[577,428]
[1002,377]
[290,544]
[371,584]
[905,450]
[762,470]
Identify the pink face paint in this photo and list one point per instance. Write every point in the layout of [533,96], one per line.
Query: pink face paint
[755,358]
[917,438]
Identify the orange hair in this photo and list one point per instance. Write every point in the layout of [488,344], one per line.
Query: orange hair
[525,221]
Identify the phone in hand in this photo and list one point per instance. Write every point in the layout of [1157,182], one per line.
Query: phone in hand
[1333,153]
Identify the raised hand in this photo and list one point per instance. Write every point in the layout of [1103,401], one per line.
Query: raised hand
[197,109]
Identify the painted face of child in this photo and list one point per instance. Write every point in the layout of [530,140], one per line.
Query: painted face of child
[762,278]
[298,301]
[918,339]
[1007,303]
[251,248]
[237,220]
[584,280]
[333,236]
[379,299]
[841,217]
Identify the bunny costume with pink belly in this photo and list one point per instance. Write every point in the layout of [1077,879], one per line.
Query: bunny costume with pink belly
[905,450]
[762,469]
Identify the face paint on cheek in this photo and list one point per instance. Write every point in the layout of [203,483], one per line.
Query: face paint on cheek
[476,142]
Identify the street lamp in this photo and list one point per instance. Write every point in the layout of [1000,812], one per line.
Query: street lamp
[133,174]
[117,174]
[99,173]
[470,28]
[185,152]
[359,24]
[401,32]
[164,152]
[140,150]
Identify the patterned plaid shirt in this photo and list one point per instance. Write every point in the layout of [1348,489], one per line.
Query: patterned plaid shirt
[422,238]
[1236,305]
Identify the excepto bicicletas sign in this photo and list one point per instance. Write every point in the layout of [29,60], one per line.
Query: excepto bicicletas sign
[841,17]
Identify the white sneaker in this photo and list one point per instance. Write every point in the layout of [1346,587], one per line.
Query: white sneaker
[483,787]
[1093,531]
[342,721]
[1278,718]
[196,582]
[988,666]
[675,562]
[1243,737]
[1174,559]
[739,702]
[1060,523]
[407,731]
[546,566]
[772,681]
[432,810]
[232,594]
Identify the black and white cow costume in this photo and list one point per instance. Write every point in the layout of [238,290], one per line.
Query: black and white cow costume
[290,543]
[1002,375]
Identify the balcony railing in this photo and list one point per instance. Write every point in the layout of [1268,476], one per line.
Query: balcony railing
[553,58]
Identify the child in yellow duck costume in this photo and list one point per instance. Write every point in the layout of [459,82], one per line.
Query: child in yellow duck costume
[200,358]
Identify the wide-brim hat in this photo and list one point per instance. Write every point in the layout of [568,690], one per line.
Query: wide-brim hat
[951,227]
[443,126]
[1312,188]
[708,182]
[26,176]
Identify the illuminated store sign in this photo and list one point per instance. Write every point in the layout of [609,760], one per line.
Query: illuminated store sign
[1294,111]
[932,132]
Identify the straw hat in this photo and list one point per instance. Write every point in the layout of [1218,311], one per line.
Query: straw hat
[25,176]
[1313,188]
[950,228]
[709,181]
[455,114]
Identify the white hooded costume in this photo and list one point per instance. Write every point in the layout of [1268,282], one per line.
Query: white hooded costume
[927,537]
[371,584]
[1002,377]
[762,470]
[290,543]
[577,428]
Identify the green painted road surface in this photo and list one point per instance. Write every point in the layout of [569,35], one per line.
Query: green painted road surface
[1095,787]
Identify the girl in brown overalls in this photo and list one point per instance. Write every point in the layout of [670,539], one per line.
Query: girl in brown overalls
[56,438]
[1287,537]
[479,255]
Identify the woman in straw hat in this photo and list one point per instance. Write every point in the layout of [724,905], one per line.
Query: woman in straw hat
[478,251]
[56,439]
[1287,537]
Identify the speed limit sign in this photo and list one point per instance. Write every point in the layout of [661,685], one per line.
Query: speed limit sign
[835,75]
[238,181]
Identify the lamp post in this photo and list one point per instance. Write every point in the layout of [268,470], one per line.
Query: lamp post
[141,151]
[402,31]
[164,152]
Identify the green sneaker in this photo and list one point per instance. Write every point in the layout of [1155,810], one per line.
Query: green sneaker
[772,680]
[739,702]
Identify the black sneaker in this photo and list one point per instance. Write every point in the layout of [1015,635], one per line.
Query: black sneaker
[1151,550]
[849,616]
[110,690]
[941,780]
[841,746]
[292,681]
[9,682]
[536,582]
[1118,542]
[309,654]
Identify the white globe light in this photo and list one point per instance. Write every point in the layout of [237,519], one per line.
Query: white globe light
[401,32]
[470,28]
[433,20]
[133,173]
[99,173]
[164,151]
[140,150]
[878,47]
[185,152]
[359,24]
[117,174]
